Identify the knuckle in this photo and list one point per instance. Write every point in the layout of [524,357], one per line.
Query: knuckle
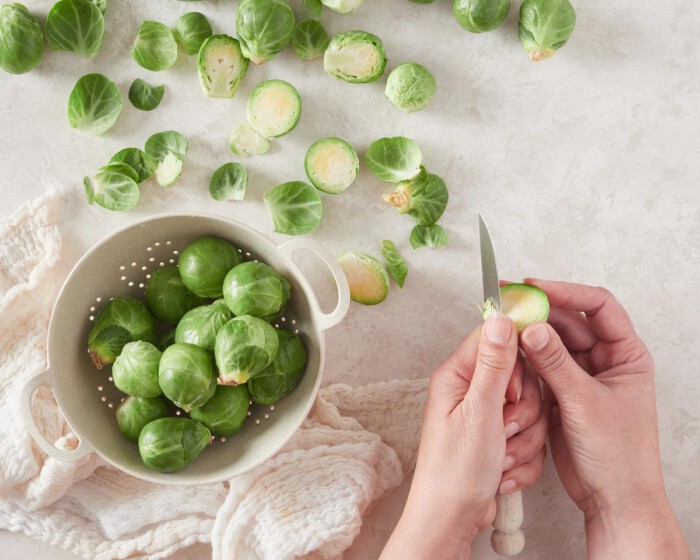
[554,358]
[494,359]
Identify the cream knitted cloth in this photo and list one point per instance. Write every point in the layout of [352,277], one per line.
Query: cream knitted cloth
[307,501]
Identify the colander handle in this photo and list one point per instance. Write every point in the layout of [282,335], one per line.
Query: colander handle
[46,378]
[324,320]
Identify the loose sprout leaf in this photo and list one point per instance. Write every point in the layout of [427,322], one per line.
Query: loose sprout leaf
[229,182]
[310,39]
[221,66]
[410,87]
[394,159]
[76,26]
[331,165]
[428,236]
[274,108]
[123,168]
[144,96]
[356,57]
[21,39]
[315,7]
[367,278]
[154,47]
[112,190]
[101,5]
[422,1]
[245,141]
[295,207]
[545,26]
[424,197]
[137,160]
[167,149]
[191,30]
[264,28]
[342,6]
[94,104]
[523,303]
[478,16]
[394,262]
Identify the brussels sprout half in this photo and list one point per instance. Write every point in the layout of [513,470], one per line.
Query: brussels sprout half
[21,39]
[204,264]
[342,6]
[410,87]
[253,288]
[135,370]
[137,159]
[331,165]
[114,187]
[144,96]
[191,30]
[295,207]
[310,39]
[545,26]
[229,182]
[225,413]
[186,375]
[367,278]
[75,25]
[154,47]
[245,141]
[428,236]
[394,159]
[274,108]
[356,57]
[423,197]
[394,262]
[283,374]
[167,296]
[221,66]
[244,347]
[264,28]
[134,413]
[523,303]
[167,149]
[94,104]
[170,444]
[478,16]
[199,325]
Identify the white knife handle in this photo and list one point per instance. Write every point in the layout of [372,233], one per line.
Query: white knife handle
[507,539]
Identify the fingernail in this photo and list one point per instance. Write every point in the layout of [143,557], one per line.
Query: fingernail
[511,429]
[498,328]
[520,392]
[508,462]
[507,487]
[536,336]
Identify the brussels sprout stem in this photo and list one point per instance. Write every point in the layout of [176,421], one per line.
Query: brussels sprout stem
[97,359]
[540,54]
[398,199]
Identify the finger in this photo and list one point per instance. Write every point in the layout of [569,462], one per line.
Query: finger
[502,283]
[523,476]
[605,314]
[517,417]
[573,329]
[523,447]
[515,383]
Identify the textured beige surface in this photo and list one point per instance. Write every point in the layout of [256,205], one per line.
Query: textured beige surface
[585,165]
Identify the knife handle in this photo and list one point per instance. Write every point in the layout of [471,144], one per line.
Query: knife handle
[507,539]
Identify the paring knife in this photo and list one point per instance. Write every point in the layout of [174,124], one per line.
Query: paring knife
[507,539]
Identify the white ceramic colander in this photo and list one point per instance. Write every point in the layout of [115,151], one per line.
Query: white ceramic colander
[121,265]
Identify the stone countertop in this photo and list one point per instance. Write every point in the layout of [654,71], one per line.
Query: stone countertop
[586,166]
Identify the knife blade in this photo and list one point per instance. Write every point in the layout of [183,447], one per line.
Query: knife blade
[489,272]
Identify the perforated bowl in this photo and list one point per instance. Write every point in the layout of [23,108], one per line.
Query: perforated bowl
[121,265]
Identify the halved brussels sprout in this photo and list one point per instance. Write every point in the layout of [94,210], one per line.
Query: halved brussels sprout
[225,413]
[120,321]
[77,26]
[478,16]
[221,66]
[394,159]
[135,370]
[154,47]
[21,39]
[274,108]
[410,87]
[523,303]
[186,375]
[204,264]
[282,375]
[331,165]
[137,160]
[244,347]
[395,263]
[356,57]
[199,325]
[245,141]
[191,30]
[310,39]
[94,104]
[342,6]
[264,28]
[253,288]
[167,149]
[170,444]
[113,188]
[145,96]
[295,207]
[428,236]
[423,197]
[167,339]
[167,296]
[134,413]
[367,278]
[545,26]
[229,182]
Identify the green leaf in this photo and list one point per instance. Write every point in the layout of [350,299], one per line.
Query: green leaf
[428,236]
[144,96]
[295,207]
[394,262]
[314,6]
[154,47]
[229,182]
[75,25]
[112,190]
[310,39]
[191,30]
[137,160]
[394,159]
[21,39]
[94,104]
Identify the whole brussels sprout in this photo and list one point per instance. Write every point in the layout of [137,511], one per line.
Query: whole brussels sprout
[478,16]
[21,39]
[410,87]
[135,412]
[135,370]
[122,320]
[169,444]
[244,347]
[283,374]
[186,375]
[167,297]
[225,412]
[204,264]
[545,26]
[424,197]
[253,288]
[264,28]
[200,325]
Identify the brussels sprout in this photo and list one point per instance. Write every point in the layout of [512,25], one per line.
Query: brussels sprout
[77,26]
[135,370]
[545,26]
[342,6]
[204,264]
[295,207]
[167,296]
[331,165]
[523,303]
[145,96]
[167,149]
[410,87]
[310,39]
[221,66]
[199,325]
[394,262]
[136,159]
[274,108]
[229,182]
[191,30]
[186,375]
[428,236]
[282,375]
[253,288]
[21,39]
[94,104]
[244,141]
[112,189]
[423,197]
[154,47]
[264,28]
[367,278]
[170,444]
[225,412]
[478,16]
[120,321]
[394,159]
[123,168]
[356,57]
[167,338]
[134,413]
[315,7]
[244,347]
